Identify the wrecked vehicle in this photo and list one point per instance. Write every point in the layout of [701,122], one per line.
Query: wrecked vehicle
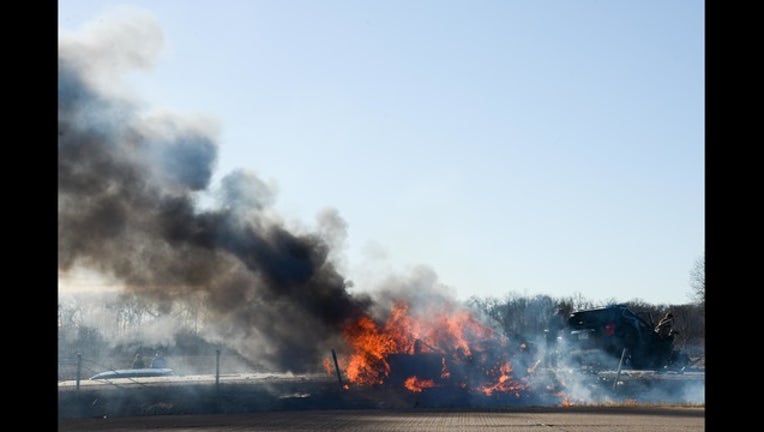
[615,328]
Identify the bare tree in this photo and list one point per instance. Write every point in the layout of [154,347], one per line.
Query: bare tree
[698,279]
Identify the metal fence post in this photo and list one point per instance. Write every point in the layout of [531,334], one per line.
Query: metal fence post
[217,369]
[620,364]
[337,367]
[79,370]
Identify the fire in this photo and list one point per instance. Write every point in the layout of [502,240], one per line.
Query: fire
[443,347]
[444,373]
[505,383]
[372,345]
[416,385]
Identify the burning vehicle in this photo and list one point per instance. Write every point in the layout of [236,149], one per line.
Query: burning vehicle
[617,331]
[442,352]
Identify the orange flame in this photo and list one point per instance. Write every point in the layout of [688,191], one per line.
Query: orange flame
[505,383]
[444,373]
[367,364]
[464,343]
[328,367]
[416,385]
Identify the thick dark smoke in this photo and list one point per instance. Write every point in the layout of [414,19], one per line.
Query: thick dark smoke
[129,183]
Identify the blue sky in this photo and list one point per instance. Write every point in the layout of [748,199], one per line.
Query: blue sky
[532,147]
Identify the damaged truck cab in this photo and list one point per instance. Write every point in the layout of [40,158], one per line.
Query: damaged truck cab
[614,328]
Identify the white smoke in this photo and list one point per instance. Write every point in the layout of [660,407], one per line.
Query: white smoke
[121,40]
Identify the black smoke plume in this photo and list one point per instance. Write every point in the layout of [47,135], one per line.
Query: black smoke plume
[129,186]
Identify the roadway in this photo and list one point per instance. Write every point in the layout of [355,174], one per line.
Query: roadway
[570,419]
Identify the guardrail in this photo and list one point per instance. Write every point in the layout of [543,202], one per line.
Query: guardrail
[91,367]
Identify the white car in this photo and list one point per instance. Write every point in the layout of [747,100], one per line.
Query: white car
[133,373]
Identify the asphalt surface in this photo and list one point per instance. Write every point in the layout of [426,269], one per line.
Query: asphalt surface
[570,419]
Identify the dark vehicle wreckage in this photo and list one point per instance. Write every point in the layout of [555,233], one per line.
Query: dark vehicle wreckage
[622,334]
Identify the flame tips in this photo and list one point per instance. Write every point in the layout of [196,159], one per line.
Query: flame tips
[416,385]
[468,351]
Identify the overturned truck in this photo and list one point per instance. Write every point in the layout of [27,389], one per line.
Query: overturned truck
[623,335]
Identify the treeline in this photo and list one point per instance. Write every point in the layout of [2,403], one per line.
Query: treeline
[109,328]
[112,327]
[522,316]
